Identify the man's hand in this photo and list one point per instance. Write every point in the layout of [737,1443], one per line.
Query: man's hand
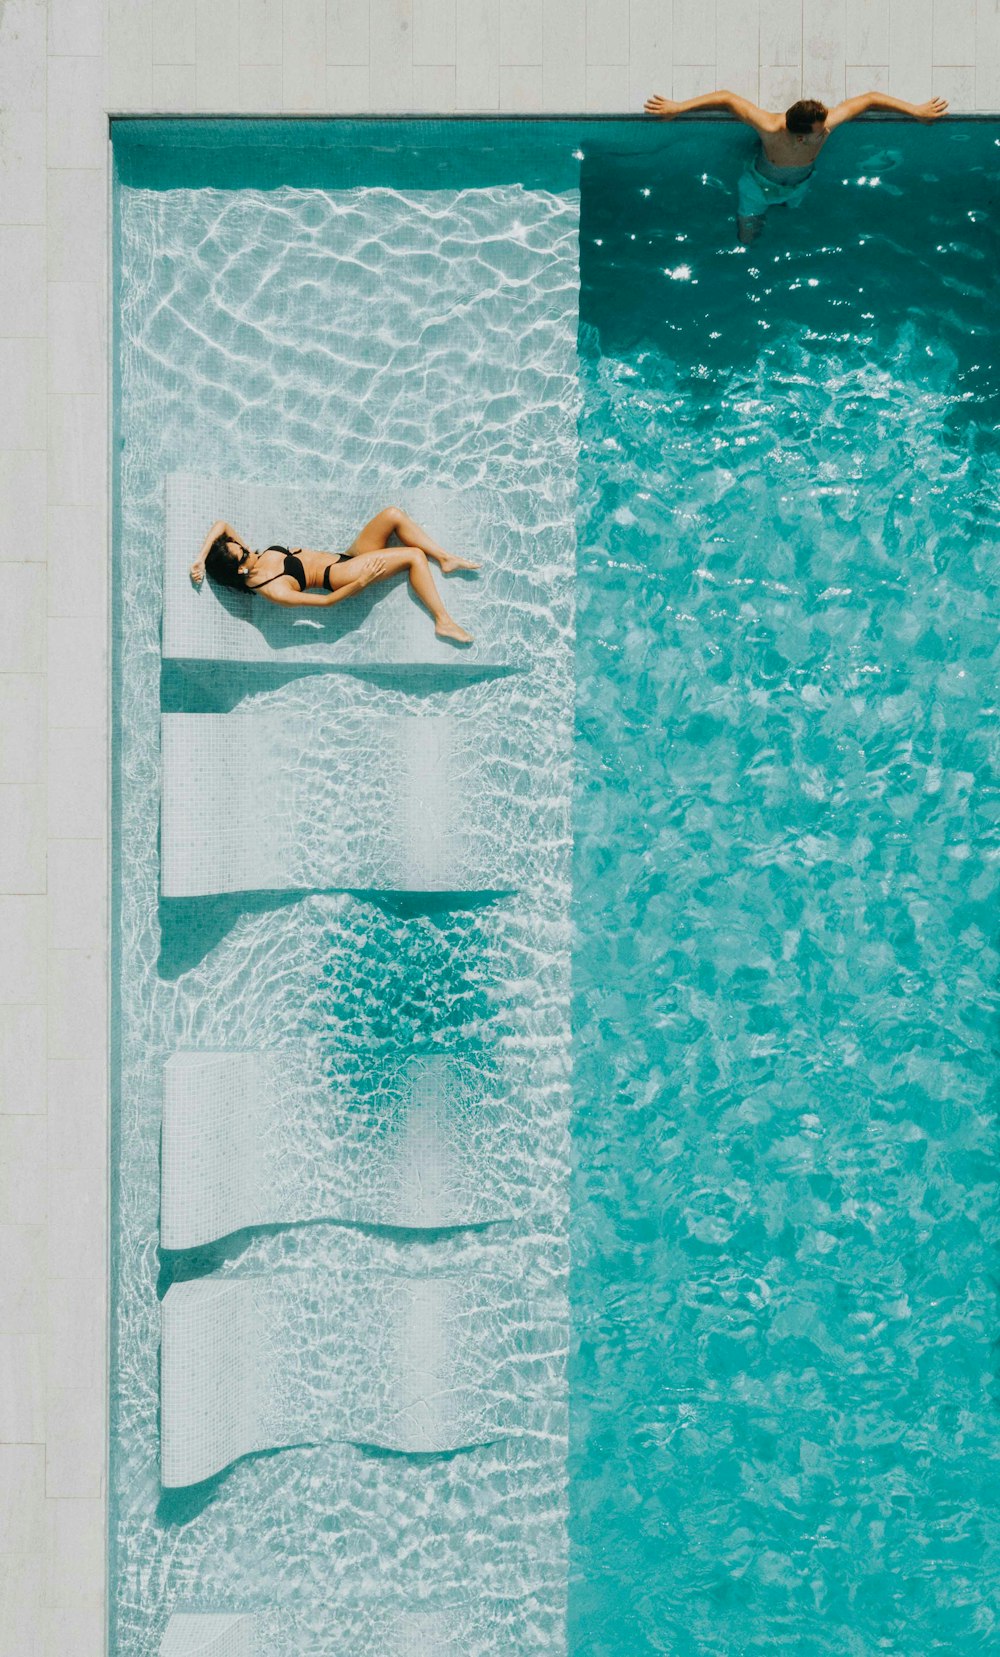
[665,108]
[198,573]
[932,110]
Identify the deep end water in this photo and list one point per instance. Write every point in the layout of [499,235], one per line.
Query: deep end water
[785,1208]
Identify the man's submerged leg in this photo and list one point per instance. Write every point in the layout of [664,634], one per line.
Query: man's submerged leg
[749,227]
[751,206]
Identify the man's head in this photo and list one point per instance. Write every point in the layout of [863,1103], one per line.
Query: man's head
[805,116]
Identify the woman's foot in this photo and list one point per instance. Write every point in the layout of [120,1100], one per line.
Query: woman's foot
[448,629]
[449,562]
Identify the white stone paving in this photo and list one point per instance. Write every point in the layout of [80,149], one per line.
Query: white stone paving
[63,66]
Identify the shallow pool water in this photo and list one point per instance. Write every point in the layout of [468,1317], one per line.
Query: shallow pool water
[309,329]
[785,1203]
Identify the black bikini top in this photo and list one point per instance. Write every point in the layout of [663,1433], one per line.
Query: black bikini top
[292,567]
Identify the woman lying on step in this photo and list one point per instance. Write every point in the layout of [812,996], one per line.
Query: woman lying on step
[298,575]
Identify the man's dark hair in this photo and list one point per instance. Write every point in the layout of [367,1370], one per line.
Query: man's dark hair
[803,116]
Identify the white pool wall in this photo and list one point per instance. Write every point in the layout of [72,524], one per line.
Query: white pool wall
[64,66]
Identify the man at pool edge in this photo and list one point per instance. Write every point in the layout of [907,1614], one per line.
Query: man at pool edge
[778,175]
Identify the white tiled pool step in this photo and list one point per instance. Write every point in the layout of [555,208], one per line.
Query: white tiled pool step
[384,626]
[264,1138]
[414,1364]
[212,1635]
[360,799]
[278,1634]
[223,773]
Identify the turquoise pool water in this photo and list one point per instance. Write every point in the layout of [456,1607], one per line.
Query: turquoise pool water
[782,1222]
[783,1374]
[322,321]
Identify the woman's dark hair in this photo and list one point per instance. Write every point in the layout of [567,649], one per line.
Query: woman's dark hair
[223,565]
[804,115]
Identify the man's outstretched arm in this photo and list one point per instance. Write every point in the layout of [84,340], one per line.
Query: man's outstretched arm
[760,119]
[932,110]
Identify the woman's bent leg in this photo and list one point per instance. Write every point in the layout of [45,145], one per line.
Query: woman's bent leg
[414,561]
[394,521]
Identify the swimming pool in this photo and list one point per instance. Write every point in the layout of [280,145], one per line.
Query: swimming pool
[783,1191]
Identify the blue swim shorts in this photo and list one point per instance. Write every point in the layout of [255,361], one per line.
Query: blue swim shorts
[757,193]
